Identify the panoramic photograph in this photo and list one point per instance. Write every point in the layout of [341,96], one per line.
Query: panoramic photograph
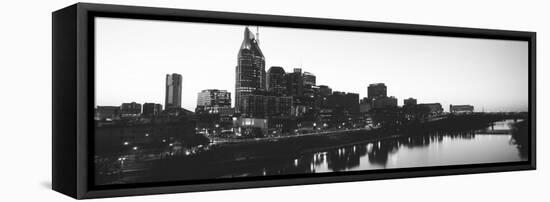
[182,101]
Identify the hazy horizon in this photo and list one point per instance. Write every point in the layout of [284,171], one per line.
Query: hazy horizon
[134,56]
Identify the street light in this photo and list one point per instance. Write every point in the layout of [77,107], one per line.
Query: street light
[121,159]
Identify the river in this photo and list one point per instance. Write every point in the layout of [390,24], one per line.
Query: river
[502,141]
[491,145]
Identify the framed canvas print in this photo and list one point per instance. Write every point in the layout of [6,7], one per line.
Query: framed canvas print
[157,100]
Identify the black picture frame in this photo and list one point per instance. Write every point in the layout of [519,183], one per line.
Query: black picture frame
[73,97]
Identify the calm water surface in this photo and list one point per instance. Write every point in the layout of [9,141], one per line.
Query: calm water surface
[433,150]
[491,145]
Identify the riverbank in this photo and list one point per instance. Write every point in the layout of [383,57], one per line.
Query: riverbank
[229,159]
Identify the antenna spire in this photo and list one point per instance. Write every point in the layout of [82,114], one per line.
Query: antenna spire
[258,34]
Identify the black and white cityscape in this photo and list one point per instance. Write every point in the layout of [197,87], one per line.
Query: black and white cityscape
[282,120]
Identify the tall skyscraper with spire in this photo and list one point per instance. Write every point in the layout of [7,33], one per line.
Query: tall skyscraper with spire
[250,71]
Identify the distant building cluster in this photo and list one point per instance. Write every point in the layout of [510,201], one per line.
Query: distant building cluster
[133,110]
[277,102]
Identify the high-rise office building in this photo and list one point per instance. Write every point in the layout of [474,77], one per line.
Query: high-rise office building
[309,81]
[377,90]
[213,100]
[276,80]
[295,83]
[250,70]
[173,91]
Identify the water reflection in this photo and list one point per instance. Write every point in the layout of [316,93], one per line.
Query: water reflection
[505,141]
[417,150]
[345,158]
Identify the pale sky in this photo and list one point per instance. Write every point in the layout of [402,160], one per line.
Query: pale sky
[134,56]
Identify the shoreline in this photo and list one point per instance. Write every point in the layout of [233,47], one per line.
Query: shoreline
[232,158]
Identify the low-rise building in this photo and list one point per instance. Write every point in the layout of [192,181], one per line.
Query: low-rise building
[433,108]
[211,101]
[384,102]
[250,127]
[151,109]
[461,109]
[107,113]
[131,109]
[409,102]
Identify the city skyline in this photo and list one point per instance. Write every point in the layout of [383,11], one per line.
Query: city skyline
[145,51]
